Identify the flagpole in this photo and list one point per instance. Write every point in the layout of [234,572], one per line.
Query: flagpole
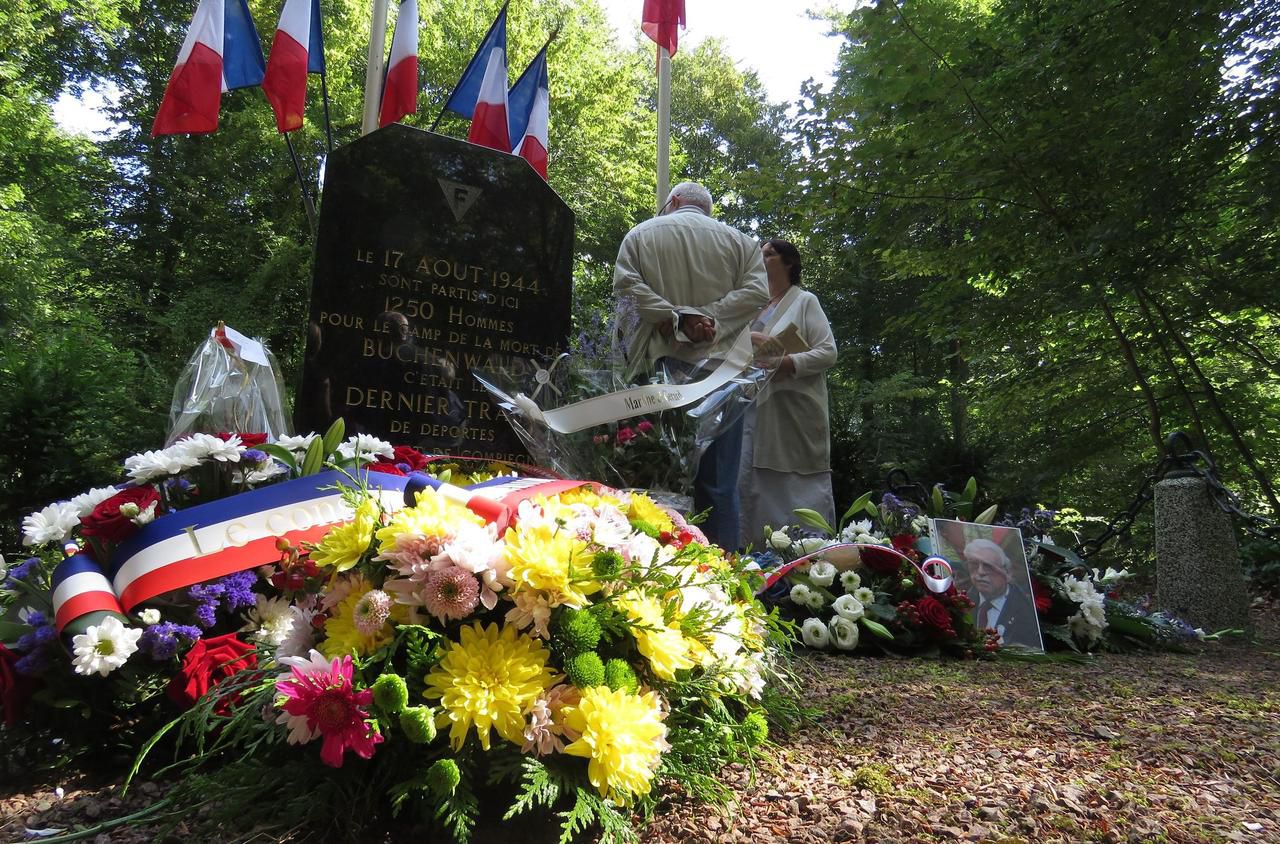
[324,95]
[374,71]
[307,204]
[664,126]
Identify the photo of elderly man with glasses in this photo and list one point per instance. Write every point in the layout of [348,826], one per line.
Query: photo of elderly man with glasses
[992,569]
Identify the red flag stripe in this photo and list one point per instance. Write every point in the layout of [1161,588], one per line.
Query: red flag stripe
[400,97]
[286,81]
[192,97]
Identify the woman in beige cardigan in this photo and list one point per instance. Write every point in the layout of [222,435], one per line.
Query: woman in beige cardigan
[786,449]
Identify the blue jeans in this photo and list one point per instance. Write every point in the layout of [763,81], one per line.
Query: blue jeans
[716,486]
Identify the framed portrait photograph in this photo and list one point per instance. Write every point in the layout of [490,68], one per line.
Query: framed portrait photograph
[990,566]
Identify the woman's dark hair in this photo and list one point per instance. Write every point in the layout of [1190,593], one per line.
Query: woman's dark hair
[790,257]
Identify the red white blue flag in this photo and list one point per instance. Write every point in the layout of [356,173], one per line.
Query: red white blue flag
[400,91]
[481,93]
[298,49]
[221,53]
[530,104]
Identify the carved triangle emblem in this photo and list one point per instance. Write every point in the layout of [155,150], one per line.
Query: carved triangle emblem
[460,197]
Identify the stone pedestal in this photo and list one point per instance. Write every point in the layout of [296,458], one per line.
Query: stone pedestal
[1198,572]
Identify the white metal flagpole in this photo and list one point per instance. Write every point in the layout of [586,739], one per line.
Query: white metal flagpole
[376,67]
[664,126]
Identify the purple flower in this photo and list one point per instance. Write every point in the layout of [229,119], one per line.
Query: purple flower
[36,619]
[252,455]
[33,664]
[161,640]
[238,591]
[23,569]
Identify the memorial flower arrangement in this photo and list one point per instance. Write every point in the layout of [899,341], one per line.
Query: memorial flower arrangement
[866,585]
[422,654]
[1082,608]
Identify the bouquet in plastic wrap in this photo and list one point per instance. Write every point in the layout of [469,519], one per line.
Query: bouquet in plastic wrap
[578,416]
[231,383]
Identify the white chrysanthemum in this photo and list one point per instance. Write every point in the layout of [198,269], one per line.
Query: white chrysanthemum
[298,443]
[853,530]
[843,632]
[365,448]
[202,447]
[52,524]
[865,596]
[104,647]
[640,549]
[86,501]
[850,580]
[270,620]
[264,471]
[611,527]
[822,573]
[817,599]
[815,633]
[150,465]
[149,616]
[800,593]
[301,636]
[849,607]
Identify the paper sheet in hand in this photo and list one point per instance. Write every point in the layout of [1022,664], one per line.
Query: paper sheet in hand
[792,342]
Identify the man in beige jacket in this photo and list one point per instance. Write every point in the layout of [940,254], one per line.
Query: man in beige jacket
[685,285]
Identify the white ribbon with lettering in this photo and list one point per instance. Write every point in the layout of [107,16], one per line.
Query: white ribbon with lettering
[634,401]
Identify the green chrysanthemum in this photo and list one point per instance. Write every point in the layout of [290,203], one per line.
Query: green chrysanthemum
[620,675]
[390,693]
[585,670]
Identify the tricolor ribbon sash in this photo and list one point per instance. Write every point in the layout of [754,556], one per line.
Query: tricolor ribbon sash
[209,541]
[936,583]
[495,500]
[633,401]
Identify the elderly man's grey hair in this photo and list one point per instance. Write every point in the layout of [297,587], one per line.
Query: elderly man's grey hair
[988,552]
[693,194]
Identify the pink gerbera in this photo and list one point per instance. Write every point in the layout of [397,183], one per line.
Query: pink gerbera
[451,593]
[321,701]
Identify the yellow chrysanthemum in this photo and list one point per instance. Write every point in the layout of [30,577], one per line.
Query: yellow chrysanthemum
[623,736]
[433,515]
[552,561]
[343,546]
[643,508]
[362,623]
[663,645]
[587,495]
[488,678]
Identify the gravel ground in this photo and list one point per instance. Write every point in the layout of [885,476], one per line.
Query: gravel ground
[1166,747]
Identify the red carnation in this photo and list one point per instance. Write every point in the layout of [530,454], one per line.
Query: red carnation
[15,688]
[880,560]
[934,614]
[625,435]
[106,522]
[208,663]
[384,468]
[904,543]
[248,440]
[645,426]
[1044,600]
[416,460]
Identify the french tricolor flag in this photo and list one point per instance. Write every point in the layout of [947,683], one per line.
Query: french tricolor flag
[482,91]
[298,49]
[221,53]
[400,91]
[530,104]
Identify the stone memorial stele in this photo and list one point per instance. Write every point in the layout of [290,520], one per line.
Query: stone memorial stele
[1198,573]
[433,257]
